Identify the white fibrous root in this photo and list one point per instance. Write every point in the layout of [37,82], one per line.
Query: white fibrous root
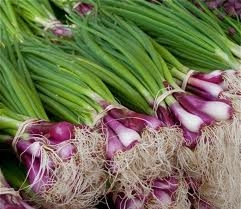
[232,81]
[75,181]
[153,157]
[218,164]
[232,85]
[170,192]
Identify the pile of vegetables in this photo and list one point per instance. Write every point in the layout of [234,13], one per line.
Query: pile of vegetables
[129,104]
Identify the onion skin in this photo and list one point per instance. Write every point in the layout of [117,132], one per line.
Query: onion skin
[190,138]
[136,121]
[209,111]
[83,9]
[200,93]
[128,137]
[62,31]
[61,131]
[213,89]
[169,184]
[165,115]
[122,202]
[213,77]
[113,144]
[190,121]
[192,104]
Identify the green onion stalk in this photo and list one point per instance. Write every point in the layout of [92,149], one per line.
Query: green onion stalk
[128,67]
[139,148]
[223,24]
[228,79]
[38,14]
[63,160]
[127,51]
[185,35]
[232,28]
[13,24]
[204,15]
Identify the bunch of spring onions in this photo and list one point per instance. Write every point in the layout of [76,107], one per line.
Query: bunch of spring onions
[53,156]
[64,166]
[139,148]
[36,17]
[112,41]
[215,87]
[174,25]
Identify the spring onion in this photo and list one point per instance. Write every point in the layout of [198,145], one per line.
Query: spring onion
[216,95]
[58,156]
[39,14]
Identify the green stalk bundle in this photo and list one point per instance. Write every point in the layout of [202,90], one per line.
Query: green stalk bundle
[187,36]
[59,156]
